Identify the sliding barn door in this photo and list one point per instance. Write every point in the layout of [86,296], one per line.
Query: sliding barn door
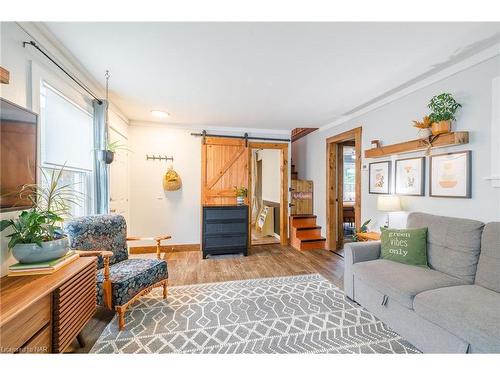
[224,165]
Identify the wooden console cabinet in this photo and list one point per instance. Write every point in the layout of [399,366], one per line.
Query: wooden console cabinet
[44,314]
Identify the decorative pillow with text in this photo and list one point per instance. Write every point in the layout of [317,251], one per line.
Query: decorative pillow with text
[408,246]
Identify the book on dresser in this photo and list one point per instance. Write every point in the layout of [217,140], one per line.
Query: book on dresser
[42,268]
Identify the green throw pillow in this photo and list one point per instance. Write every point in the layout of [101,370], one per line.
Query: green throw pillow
[408,246]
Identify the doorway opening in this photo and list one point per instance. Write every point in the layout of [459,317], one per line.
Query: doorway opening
[343,188]
[265,196]
[268,193]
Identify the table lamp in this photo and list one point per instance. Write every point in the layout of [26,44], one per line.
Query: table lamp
[388,203]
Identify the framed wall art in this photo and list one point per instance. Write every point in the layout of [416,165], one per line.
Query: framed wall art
[379,178]
[450,175]
[410,176]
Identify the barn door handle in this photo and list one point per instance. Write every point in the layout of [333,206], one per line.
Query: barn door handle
[291,204]
[291,189]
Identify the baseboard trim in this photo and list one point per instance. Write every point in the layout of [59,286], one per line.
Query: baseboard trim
[164,248]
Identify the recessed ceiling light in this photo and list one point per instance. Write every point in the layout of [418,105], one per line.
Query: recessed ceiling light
[162,114]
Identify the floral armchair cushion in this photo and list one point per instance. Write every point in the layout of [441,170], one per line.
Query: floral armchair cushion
[130,277]
[99,232]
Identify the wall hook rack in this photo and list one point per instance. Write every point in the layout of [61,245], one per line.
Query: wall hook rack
[159,157]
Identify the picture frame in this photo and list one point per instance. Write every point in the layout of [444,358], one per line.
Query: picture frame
[409,176]
[379,177]
[450,175]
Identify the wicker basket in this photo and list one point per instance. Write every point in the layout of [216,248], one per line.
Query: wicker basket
[171,181]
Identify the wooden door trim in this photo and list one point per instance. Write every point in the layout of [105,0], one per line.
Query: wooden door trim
[283,147]
[332,193]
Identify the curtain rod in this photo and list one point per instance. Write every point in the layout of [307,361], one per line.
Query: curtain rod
[70,75]
[246,137]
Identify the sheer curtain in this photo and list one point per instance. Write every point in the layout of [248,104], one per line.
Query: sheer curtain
[101,169]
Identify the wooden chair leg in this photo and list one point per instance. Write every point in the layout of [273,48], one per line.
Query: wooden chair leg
[165,289]
[121,317]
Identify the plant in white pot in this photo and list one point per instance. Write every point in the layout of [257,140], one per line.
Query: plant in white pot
[240,192]
[424,127]
[37,235]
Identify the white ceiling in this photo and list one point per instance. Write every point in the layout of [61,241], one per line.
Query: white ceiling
[263,75]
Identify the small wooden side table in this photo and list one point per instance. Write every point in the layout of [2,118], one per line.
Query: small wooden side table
[369,236]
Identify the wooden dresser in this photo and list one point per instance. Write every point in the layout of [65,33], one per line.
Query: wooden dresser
[44,314]
[225,230]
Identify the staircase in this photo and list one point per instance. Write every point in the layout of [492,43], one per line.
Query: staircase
[305,234]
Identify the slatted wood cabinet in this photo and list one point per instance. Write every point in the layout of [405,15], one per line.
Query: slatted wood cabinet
[44,314]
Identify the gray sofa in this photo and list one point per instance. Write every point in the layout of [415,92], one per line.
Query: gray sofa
[453,307]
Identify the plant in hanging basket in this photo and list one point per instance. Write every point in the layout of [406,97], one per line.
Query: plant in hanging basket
[444,108]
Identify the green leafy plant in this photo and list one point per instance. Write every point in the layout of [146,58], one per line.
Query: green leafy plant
[443,107]
[240,191]
[362,229]
[51,202]
[33,227]
[116,146]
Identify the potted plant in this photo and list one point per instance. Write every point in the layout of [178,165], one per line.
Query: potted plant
[107,156]
[424,127]
[362,229]
[240,192]
[37,235]
[443,107]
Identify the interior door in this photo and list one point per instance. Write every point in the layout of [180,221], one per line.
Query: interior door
[118,177]
[224,165]
[302,197]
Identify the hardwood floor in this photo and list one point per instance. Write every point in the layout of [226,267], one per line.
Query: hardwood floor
[188,267]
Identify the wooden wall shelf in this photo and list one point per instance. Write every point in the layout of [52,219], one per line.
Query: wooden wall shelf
[444,140]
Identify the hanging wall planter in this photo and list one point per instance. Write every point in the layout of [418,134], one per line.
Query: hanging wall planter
[106,156]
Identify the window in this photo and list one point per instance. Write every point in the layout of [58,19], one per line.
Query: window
[67,140]
[349,174]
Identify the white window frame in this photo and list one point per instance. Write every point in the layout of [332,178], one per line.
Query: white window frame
[43,76]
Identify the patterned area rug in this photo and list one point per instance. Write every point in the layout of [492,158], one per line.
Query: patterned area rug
[298,314]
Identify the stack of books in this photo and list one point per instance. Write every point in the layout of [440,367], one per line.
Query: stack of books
[42,268]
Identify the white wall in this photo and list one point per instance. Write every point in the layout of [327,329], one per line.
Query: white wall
[25,66]
[153,211]
[391,123]
[271,174]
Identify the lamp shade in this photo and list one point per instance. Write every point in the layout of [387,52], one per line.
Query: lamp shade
[389,203]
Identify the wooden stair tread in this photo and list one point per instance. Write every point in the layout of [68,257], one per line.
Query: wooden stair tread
[313,239]
[306,227]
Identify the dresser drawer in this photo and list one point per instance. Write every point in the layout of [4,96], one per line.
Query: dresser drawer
[232,213]
[226,228]
[226,241]
[14,334]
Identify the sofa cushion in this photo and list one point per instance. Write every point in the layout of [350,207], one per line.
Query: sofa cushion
[130,277]
[488,268]
[470,312]
[407,246]
[401,281]
[453,244]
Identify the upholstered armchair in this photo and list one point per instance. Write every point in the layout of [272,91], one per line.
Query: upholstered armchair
[120,280]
